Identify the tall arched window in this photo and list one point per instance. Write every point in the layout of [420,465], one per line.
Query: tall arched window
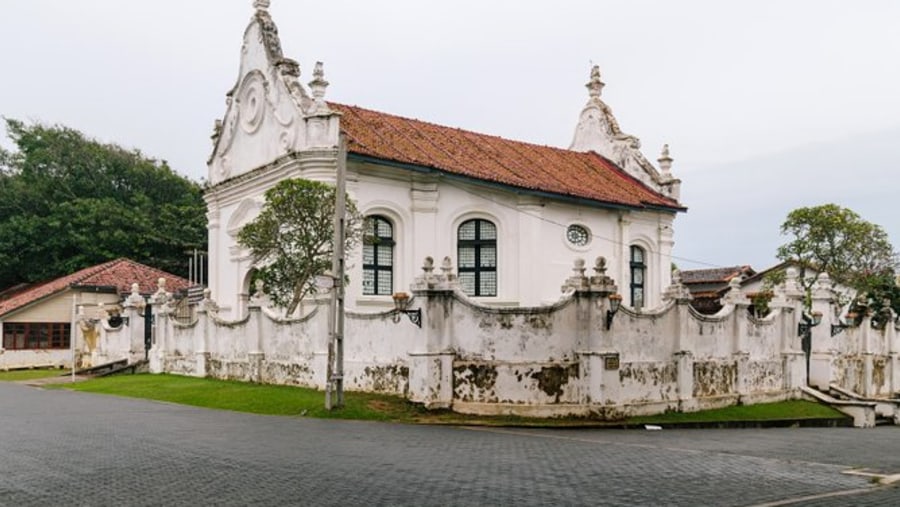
[638,273]
[378,256]
[477,254]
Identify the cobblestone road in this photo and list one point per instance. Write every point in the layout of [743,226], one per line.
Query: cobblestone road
[67,448]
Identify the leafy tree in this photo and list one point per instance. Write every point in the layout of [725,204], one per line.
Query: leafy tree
[829,238]
[68,202]
[292,239]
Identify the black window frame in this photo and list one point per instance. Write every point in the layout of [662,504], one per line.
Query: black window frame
[635,267]
[372,240]
[477,244]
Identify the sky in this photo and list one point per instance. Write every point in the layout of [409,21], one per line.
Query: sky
[767,105]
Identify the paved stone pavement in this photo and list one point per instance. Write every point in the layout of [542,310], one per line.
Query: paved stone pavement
[65,448]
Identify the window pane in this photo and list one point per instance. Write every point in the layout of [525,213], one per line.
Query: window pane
[488,231]
[488,285]
[368,254]
[467,283]
[368,281]
[385,252]
[488,257]
[637,276]
[385,282]
[467,257]
[637,297]
[384,229]
[467,230]
[637,254]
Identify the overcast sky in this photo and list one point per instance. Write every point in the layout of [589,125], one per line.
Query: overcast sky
[746,94]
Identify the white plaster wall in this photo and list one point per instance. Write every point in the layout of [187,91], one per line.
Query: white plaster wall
[533,255]
[35,358]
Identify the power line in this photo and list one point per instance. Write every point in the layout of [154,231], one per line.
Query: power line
[554,222]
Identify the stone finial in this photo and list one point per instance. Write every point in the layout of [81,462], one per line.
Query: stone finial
[134,299]
[677,291]
[734,294]
[161,296]
[261,5]
[428,280]
[447,266]
[823,281]
[595,85]
[600,266]
[600,282]
[578,267]
[665,161]
[207,304]
[577,281]
[318,86]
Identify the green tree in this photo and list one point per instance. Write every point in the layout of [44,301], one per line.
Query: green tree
[68,202]
[829,238]
[292,239]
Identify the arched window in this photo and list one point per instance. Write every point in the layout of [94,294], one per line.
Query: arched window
[638,273]
[477,254]
[378,256]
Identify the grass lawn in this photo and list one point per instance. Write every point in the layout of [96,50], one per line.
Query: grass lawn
[14,375]
[286,400]
[791,409]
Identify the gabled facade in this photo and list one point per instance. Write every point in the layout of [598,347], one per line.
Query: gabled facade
[512,215]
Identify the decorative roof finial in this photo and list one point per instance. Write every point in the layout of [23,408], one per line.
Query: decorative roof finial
[261,5]
[595,86]
[665,161]
[318,85]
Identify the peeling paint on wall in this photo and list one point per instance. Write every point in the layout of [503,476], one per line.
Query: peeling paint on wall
[474,382]
[714,378]
[553,379]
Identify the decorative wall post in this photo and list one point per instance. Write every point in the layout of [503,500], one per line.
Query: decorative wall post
[684,345]
[599,357]
[201,334]
[159,305]
[134,307]
[255,351]
[739,304]
[893,354]
[820,355]
[431,362]
[789,298]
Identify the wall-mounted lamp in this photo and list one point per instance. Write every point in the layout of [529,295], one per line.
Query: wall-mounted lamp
[614,301]
[401,305]
[809,321]
[838,328]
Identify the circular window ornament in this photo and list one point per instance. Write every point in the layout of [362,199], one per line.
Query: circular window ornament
[578,235]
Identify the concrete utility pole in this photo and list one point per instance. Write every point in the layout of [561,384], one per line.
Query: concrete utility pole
[335,370]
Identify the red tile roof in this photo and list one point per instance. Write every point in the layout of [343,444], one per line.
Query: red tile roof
[120,273]
[714,275]
[494,159]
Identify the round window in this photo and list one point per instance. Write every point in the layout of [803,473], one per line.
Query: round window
[578,235]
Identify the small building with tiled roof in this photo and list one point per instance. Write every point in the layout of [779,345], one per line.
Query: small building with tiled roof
[707,286]
[512,216]
[38,321]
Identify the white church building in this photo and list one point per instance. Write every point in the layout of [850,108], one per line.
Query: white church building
[512,215]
